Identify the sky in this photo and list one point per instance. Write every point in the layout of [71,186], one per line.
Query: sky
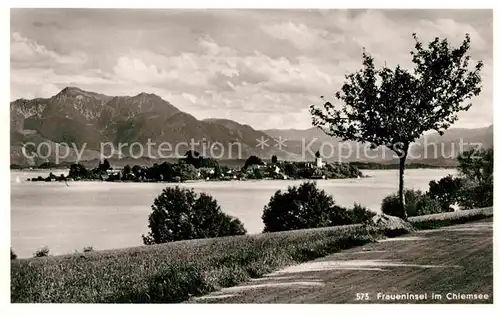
[258,67]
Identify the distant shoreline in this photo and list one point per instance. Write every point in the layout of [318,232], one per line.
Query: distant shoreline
[361,168]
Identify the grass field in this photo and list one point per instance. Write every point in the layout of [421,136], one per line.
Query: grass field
[174,272]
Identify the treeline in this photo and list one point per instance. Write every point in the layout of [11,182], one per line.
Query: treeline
[194,166]
[390,166]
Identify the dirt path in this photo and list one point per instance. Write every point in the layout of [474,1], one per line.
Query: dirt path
[454,262]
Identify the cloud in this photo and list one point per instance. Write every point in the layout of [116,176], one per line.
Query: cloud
[26,52]
[260,67]
[300,35]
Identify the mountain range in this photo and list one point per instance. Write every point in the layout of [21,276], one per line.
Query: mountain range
[86,120]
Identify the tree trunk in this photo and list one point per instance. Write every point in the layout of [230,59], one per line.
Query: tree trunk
[402,161]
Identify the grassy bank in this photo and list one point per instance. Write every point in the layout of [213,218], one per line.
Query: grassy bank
[174,272]
[450,218]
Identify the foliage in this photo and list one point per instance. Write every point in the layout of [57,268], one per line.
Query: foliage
[476,194]
[13,256]
[253,160]
[393,107]
[182,214]
[254,173]
[396,105]
[185,172]
[78,171]
[138,171]
[127,172]
[304,207]
[198,161]
[42,252]
[476,165]
[473,188]
[290,169]
[160,172]
[446,191]
[417,203]
[274,159]
[360,214]
[104,165]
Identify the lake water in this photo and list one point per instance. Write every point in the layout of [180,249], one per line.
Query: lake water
[114,215]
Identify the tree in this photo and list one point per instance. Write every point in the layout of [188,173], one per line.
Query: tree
[185,171]
[304,207]
[274,159]
[77,171]
[137,170]
[393,107]
[476,168]
[182,214]
[291,170]
[253,160]
[476,164]
[446,191]
[104,166]
[192,157]
[127,172]
[254,173]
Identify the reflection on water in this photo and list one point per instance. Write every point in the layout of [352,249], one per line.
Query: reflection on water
[114,215]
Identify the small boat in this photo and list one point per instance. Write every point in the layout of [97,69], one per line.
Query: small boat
[18,179]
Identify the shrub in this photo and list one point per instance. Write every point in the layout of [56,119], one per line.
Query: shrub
[360,214]
[476,164]
[78,171]
[41,252]
[182,214]
[417,203]
[446,191]
[305,207]
[476,168]
[291,169]
[13,256]
[391,206]
[185,171]
[127,174]
[426,205]
[254,173]
[476,194]
[104,165]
